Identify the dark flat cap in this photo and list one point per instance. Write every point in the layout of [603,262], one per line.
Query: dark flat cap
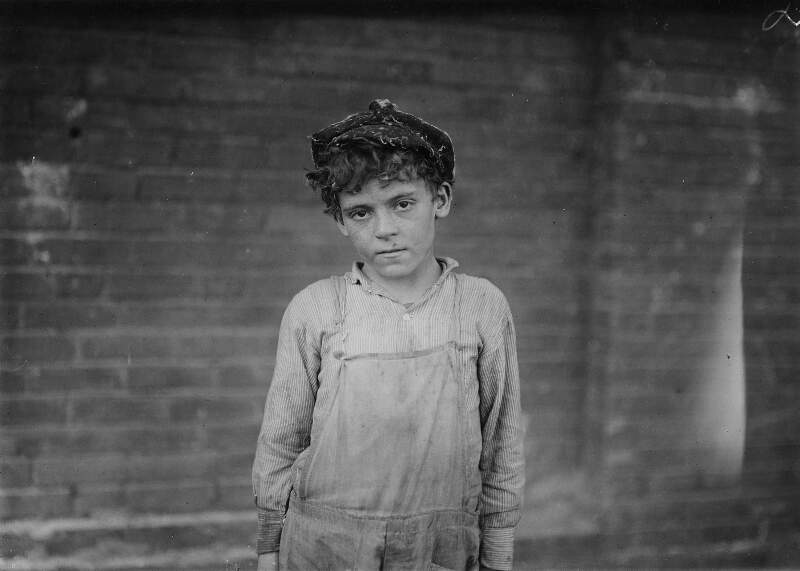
[386,124]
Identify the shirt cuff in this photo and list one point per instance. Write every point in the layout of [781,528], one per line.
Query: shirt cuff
[497,548]
[270,526]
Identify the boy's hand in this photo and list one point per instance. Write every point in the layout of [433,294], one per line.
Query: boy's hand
[268,561]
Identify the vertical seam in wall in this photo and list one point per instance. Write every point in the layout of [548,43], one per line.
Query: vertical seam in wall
[598,199]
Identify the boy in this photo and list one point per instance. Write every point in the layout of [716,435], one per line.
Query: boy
[391,435]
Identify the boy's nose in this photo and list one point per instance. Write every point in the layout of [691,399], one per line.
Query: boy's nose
[384,225]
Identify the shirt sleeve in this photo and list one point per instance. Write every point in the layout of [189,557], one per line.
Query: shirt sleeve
[502,464]
[286,426]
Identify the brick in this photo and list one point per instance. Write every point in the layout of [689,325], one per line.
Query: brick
[390,68]
[18,286]
[79,469]
[250,375]
[37,349]
[64,317]
[777,457]
[94,500]
[112,410]
[23,115]
[62,46]
[91,252]
[222,152]
[192,119]
[34,77]
[555,455]
[12,185]
[290,155]
[185,187]
[236,462]
[12,382]
[175,466]
[79,285]
[234,436]
[15,472]
[15,251]
[708,84]
[35,503]
[32,411]
[121,149]
[155,380]
[674,509]
[54,111]
[137,218]
[103,186]
[235,494]
[152,438]
[170,497]
[163,439]
[50,145]
[10,317]
[217,408]
[233,117]
[173,253]
[35,215]
[196,185]
[72,379]
[545,398]
[553,422]
[220,347]
[283,220]
[158,286]
[16,545]
[223,219]
[200,314]
[228,286]
[279,254]
[224,56]
[126,346]
[279,288]
[125,85]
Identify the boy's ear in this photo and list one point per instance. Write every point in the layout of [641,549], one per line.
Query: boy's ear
[442,199]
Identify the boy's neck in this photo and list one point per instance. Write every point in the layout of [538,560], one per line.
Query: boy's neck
[408,289]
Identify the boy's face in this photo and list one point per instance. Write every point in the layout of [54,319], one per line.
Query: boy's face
[392,226]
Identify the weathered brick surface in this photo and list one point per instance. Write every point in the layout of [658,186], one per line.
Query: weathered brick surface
[613,172]
[691,145]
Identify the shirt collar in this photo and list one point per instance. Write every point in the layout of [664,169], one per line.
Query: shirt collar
[356,275]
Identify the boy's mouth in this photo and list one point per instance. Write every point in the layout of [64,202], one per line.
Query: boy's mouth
[390,252]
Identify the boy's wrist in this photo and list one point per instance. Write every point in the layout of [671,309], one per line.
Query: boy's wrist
[270,526]
[497,548]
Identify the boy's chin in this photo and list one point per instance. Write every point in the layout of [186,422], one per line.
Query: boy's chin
[392,271]
[389,271]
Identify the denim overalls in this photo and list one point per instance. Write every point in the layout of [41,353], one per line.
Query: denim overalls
[384,483]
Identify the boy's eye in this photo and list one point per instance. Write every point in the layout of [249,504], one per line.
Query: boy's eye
[357,214]
[403,204]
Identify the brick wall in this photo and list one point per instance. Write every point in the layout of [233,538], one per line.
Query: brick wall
[157,224]
[615,174]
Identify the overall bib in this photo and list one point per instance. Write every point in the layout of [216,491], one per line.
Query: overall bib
[384,483]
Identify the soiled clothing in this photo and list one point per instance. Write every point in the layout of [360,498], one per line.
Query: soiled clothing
[462,327]
[318,537]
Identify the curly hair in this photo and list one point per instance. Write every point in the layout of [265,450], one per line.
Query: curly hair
[349,168]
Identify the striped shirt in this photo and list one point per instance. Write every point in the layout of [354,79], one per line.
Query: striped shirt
[486,348]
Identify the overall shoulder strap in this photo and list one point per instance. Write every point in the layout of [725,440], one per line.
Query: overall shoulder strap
[340,289]
[456,318]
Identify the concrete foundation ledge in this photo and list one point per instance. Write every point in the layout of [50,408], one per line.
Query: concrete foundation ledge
[219,540]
